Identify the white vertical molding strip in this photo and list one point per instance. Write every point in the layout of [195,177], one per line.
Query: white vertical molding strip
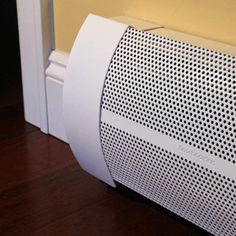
[35,46]
[26,25]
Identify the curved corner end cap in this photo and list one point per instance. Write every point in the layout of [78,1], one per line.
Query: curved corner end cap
[86,72]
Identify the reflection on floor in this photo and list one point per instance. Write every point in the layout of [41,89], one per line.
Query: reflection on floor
[43,191]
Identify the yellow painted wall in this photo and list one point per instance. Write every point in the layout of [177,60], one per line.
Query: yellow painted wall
[212,19]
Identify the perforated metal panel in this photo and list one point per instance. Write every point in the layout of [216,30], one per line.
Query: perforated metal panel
[191,191]
[183,91]
[187,95]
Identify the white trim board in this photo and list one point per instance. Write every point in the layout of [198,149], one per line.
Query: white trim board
[55,76]
[34,22]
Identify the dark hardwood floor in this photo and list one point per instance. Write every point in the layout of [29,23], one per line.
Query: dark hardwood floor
[44,192]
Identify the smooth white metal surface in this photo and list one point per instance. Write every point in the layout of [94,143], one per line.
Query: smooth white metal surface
[86,72]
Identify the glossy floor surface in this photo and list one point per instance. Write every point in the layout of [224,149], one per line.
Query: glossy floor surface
[44,192]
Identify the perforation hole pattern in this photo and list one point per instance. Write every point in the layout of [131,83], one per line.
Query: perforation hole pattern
[192,191]
[180,90]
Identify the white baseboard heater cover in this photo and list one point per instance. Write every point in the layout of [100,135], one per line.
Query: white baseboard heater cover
[158,116]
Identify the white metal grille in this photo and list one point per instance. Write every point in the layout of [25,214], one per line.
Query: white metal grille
[181,90]
[192,191]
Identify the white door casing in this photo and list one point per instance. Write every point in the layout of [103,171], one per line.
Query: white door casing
[36,41]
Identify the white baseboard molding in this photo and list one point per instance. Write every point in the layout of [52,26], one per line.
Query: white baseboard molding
[55,76]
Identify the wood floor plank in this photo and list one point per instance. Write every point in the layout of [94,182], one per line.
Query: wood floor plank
[71,202]
[44,192]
